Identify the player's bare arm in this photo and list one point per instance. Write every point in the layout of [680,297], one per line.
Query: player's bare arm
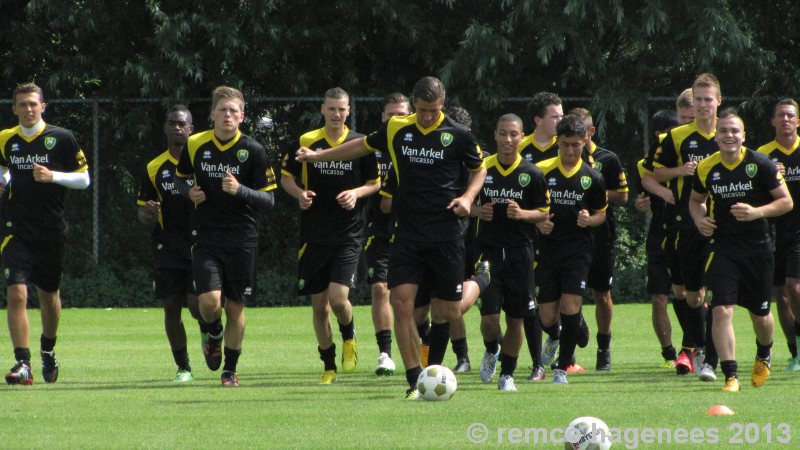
[304,197]
[664,174]
[546,226]
[347,199]
[652,186]
[461,205]
[147,211]
[515,212]
[591,219]
[697,208]
[781,204]
[347,151]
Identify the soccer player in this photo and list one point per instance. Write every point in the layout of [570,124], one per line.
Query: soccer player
[546,110]
[376,248]
[745,188]
[160,199]
[429,150]
[332,225]
[601,272]
[232,181]
[684,106]
[38,162]
[513,197]
[577,204]
[676,159]
[784,153]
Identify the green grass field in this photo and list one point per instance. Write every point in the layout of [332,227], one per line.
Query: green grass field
[115,391]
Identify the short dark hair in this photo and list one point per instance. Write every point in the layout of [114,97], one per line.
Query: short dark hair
[785,101]
[510,117]
[729,112]
[664,120]
[584,114]
[179,108]
[395,97]
[460,115]
[571,125]
[336,93]
[685,99]
[537,107]
[27,88]
[429,89]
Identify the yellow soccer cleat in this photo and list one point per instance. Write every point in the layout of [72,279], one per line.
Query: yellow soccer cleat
[349,355]
[328,377]
[760,372]
[732,385]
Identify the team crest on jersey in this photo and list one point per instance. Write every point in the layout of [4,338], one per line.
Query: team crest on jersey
[446,139]
[242,155]
[524,179]
[598,165]
[586,182]
[49,142]
[751,170]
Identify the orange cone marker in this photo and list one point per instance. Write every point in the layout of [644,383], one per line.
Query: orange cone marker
[720,410]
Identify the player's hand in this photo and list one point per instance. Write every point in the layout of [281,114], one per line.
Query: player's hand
[642,202]
[688,168]
[514,212]
[706,226]
[42,174]
[230,184]
[546,227]
[781,168]
[347,199]
[460,206]
[305,199]
[744,212]
[668,196]
[196,195]
[151,208]
[305,154]
[583,218]
[486,212]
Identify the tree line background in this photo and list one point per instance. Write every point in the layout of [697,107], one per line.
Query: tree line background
[622,59]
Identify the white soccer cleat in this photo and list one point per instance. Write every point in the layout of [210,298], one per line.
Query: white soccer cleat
[488,366]
[386,366]
[706,373]
[506,383]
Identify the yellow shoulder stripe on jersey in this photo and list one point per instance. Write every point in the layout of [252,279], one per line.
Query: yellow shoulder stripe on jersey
[435,125]
[642,169]
[309,139]
[530,140]
[5,135]
[193,144]
[706,165]
[493,162]
[396,123]
[548,165]
[155,165]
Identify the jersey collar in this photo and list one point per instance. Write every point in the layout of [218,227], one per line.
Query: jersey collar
[425,131]
[229,144]
[511,168]
[788,151]
[572,172]
[735,163]
[337,142]
[29,134]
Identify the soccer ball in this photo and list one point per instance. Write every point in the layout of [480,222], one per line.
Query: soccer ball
[587,433]
[436,383]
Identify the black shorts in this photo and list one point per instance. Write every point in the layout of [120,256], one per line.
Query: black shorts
[671,255]
[40,262]
[377,251]
[320,265]
[423,297]
[692,248]
[409,261]
[787,260]
[512,284]
[601,272]
[561,271]
[658,273]
[169,282]
[230,270]
[740,280]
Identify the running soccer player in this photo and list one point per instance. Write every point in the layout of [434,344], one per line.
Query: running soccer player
[332,225]
[38,163]
[601,273]
[745,188]
[577,204]
[232,181]
[376,248]
[513,198]
[432,201]
[783,151]
[676,159]
[546,110]
[172,236]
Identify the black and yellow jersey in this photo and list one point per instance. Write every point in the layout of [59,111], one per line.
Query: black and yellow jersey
[326,222]
[610,167]
[377,221]
[173,229]
[787,225]
[224,220]
[31,209]
[748,180]
[532,151]
[571,191]
[521,182]
[681,145]
[427,164]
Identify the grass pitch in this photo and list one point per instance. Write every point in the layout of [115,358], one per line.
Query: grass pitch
[115,391]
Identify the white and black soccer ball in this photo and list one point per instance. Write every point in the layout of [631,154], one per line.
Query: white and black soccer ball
[587,433]
[436,383]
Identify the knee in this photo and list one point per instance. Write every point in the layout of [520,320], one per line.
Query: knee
[659,302]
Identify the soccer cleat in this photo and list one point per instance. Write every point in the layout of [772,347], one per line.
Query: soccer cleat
[537,374]
[203,339]
[21,373]
[794,364]
[560,377]
[483,268]
[603,360]
[328,377]
[49,367]
[183,376]
[229,379]
[549,350]
[760,372]
[506,383]
[583,335]
[349,355]
[698,360]
[488,366]
[424,351]
[668,364]
[212,351]
[683,365]
[386,366]
[732,385]
[462,366]
[412,393]
[575,368]
[706,373]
